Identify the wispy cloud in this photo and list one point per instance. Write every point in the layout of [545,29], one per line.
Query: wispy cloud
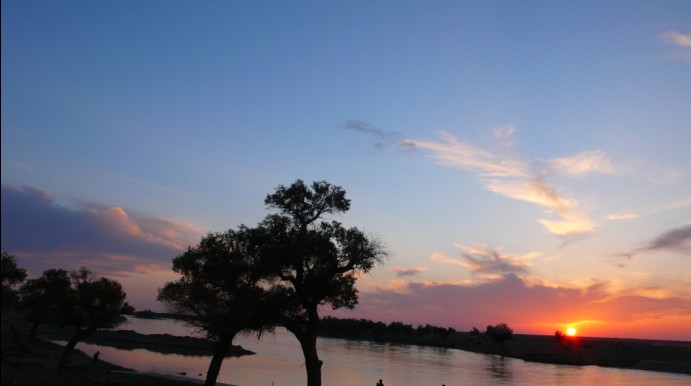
[679,204]
[454,153]
[681,41]
[404,272]
[488,263]
[630,215]
[382,138]
[583,163]
[483,260]
[676,38]
[503,172]
[622,216]
[676,240]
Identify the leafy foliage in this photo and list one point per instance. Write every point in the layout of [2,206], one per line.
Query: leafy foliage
[499,334]
[11,275]
[312,262]
[219,291]
[92,303]
[45,298]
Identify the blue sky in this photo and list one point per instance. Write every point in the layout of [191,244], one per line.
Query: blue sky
[510,146]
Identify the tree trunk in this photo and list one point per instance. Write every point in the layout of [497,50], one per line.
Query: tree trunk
[18,339]
[220,350]
[313,364]
[76,338]
[32,332]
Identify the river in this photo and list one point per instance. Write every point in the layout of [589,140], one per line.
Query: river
[279,362]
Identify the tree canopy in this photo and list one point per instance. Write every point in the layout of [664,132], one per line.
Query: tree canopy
[313,262]
[499,334]
[11,275]
[219,291]
[43,299]
[93,303]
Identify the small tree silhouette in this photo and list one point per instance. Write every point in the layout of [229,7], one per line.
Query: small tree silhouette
[92,304]
[499,333]
[12,276]
[42,298]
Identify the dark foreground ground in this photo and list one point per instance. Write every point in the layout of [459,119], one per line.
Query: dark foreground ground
[35,364]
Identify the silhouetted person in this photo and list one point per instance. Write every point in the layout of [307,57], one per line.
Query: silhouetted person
[380,383]
[97,354]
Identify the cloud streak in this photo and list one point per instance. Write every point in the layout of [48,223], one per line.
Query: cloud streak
[407,272]
[682,43]
[484,261]
[382,138]
[504,173]
[676,38]
[583,163]
[678,240]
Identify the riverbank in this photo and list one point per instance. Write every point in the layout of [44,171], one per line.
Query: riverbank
[667,356]
[129,340]
[34,363]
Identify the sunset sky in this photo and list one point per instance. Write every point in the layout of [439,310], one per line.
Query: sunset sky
[523,162]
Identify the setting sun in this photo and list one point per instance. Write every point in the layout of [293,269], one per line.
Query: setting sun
[571,331]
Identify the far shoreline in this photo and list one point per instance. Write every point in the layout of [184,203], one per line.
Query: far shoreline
[624,353]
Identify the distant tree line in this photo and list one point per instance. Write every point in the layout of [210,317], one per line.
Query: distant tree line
[379,331]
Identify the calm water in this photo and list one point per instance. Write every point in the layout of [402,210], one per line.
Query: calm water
[279,362]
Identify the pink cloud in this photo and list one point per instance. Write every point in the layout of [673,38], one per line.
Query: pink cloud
[109,240]
[529,308]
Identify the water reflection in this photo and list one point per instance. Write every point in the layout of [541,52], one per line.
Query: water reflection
[279,361]
[499,367]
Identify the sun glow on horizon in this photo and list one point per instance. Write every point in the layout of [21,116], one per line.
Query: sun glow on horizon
[571,331]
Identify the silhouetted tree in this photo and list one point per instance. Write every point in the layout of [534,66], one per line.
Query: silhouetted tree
[11,275]
[499,333]
[219,292]
[92,304]
[314,262]
[42,298]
